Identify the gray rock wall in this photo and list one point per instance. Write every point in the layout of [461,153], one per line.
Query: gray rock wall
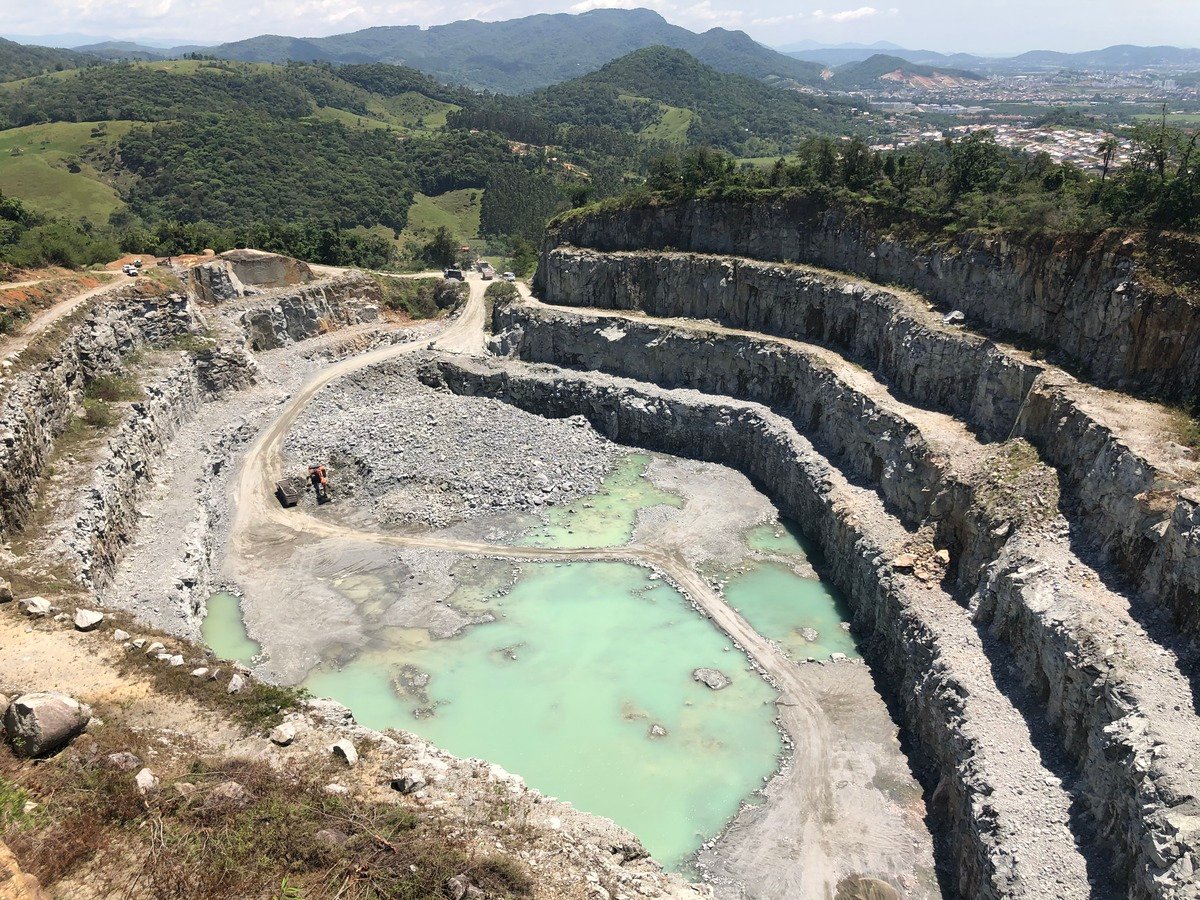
[41,401]
[1134,513]
[1137,778]
[1083,300]
[293,314]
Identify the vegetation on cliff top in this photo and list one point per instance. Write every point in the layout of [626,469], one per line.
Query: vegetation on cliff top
[952,186]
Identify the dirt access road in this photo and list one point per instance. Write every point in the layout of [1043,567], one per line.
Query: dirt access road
[14,345]
[824,819]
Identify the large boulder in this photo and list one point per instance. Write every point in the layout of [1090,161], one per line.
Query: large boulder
[39,724]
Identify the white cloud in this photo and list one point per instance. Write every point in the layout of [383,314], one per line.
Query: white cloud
[849,15]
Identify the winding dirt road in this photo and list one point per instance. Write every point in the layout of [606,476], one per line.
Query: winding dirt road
[824,819]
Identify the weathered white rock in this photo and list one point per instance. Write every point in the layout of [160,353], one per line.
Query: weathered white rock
[236,682]
[200,672]
[337,790]
[38,724]
[88,619]
[37,606]
[283,734]
[175,661]
[227,795]
[120,636]
[408,781]
[346,751]
[155,649]
[712,678]
[123,761]
[146,781]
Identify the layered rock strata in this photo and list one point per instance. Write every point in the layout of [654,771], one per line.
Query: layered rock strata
[285,316]
[41,401]
[1091,300]
[1073,638]
[1136,495]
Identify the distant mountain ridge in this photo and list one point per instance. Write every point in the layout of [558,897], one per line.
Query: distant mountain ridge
[882,68]
[1118,58]
[527,53]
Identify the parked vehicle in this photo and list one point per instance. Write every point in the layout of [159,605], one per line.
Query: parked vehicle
[455,274]
[509,276]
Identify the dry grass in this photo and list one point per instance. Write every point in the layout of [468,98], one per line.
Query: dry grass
[184,841]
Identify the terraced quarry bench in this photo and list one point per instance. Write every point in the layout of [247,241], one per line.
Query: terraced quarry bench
[1017,545]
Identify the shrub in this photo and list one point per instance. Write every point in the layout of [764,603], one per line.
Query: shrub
[113,389]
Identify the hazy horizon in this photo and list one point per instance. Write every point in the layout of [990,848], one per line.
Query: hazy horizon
[989,30]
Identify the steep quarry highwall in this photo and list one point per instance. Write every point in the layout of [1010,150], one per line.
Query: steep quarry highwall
[926,472]
[108,507]
[1086,300]
[288,315]
[925,647]
[40,402]
[1139,512]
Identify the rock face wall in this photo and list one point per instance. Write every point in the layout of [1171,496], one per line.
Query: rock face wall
[287,316]
[267,270]
[1137,512]
[40,403]
[108,511]
[214,283]
[922,644]
[1084,301]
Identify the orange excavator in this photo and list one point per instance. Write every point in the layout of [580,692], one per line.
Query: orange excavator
[318,477]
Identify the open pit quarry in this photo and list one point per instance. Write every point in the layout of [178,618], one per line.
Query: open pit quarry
[537,606]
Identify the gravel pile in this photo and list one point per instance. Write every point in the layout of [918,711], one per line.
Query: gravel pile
[412,455]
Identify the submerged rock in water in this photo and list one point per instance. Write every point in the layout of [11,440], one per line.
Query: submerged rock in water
[657,731]
[809,634]
[711,677]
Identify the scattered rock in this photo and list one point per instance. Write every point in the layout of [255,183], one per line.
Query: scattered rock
[657,731]
[346,751]
[200,672]
[809,634]
[37,607]
[6,594]
[408,781]
[146,781]
[88,619]
[943,557]
[837,657]
[38,724]
[227,795]
[3,708]
[904,562]
[120,636]
[331,837]
[337,790]
[711,677]
[458,887]
[175,661]
[124,761]
[283,734]
[154,649]
[236,682]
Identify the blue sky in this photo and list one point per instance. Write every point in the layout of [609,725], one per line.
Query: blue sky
[981,26]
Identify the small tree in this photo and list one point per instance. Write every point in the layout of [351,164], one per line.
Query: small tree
[440,249]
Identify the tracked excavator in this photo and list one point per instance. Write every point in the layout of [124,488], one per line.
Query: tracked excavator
[290,489]
[318,477]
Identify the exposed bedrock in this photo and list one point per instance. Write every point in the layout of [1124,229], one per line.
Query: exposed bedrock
[1135,498]
[292,314]
[41,401]
[1088,299]
[108,509]
[1037,658]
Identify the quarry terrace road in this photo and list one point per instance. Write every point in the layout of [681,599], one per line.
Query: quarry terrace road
[827,837]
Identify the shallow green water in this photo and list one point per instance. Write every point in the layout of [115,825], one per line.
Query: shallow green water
[601,654]
[778,603]
[583,658]
[224,631]
[608,517]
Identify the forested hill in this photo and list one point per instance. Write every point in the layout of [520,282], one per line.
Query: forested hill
[23,61]
[639,91]
[528,53]
[872,72]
